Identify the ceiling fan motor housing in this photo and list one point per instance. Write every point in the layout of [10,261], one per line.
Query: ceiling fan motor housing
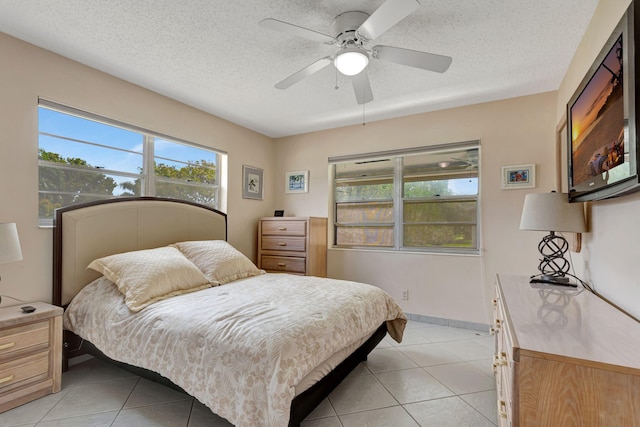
[344,28]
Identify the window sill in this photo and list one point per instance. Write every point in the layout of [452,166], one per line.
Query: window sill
[475,253]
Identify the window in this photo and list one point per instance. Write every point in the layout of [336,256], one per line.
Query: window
[83,157]
[419,199]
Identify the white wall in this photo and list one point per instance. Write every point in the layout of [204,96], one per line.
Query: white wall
[28,72]
[514,131]
[610,257]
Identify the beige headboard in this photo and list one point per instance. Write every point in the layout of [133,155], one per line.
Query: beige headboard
[85,232]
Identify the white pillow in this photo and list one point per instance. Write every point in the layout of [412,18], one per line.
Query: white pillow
[218,260]
[150,275]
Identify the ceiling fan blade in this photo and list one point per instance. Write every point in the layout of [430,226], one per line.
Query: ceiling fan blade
[362,87]
[386,16]
[295,30]
[305,72]
[413,58]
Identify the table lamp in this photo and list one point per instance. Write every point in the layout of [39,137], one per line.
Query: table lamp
[9,244]
[552,212]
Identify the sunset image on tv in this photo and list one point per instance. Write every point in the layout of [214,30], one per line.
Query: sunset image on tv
[597,121]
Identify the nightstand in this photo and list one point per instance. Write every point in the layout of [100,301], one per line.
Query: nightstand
[30,353]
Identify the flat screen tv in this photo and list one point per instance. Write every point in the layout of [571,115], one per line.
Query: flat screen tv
[601,121]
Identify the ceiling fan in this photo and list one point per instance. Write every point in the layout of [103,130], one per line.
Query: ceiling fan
[352,32]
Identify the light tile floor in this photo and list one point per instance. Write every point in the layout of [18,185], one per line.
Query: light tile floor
[438,376]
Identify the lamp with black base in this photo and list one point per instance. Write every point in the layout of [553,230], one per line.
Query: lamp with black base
[552,212]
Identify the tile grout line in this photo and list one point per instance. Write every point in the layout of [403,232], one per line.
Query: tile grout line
[396,399]
[125,401]
[71,387]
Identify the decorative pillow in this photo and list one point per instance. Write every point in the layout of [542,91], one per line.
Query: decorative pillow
[148,276]
[218,260]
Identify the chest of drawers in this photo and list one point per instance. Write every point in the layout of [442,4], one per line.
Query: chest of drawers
[564,357]
[30,354]
[296,245]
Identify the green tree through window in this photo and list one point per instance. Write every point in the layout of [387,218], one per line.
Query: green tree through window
[67,186]
[86,185]
[408,201]
[191,182]
[83,157]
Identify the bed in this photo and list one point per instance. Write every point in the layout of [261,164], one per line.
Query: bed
[259,349]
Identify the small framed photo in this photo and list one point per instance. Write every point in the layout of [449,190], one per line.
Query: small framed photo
[252,184]
[297,182]
[519,176]
[278,213]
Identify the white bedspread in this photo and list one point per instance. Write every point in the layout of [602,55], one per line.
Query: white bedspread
[239,348]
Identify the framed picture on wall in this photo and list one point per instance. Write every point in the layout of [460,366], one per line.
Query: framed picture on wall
[519,176]
[252,184]
[297,182]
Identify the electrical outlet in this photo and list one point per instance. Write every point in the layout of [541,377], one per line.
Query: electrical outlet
[405,295]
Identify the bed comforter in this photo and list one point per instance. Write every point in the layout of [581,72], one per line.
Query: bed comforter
[239,348]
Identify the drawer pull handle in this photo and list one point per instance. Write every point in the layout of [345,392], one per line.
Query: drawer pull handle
[282,264]
[282,244]
[6,379]
[282,228]
[502,409]
[7,345]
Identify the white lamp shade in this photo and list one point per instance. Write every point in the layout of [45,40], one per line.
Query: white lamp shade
[552,212]
[9,243]
[351,61]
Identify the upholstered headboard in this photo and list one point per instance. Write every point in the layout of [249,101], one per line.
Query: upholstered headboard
[85,232]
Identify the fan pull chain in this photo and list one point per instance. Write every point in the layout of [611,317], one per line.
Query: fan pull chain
[336,87]
[363,104]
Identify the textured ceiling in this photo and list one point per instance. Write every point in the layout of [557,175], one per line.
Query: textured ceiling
[212,54]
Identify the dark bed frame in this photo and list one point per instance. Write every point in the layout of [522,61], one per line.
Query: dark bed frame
[74,346]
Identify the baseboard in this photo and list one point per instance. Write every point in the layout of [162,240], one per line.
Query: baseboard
[448,322]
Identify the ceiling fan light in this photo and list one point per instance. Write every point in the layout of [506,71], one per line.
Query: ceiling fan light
[351,61]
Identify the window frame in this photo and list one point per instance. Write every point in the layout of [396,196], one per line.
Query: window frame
[399,200]
[147,174]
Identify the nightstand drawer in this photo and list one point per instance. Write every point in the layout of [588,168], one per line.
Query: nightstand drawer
[27,369]
[284,228]
[281,263]
[274,243]
[13,340]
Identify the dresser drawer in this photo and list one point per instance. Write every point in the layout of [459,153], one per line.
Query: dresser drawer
[24,370]
[284,228]
[24,337]
[284,264]
[275,243]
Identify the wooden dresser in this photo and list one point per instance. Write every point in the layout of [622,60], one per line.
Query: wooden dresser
[296,245]
[30,354]
[564,357]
